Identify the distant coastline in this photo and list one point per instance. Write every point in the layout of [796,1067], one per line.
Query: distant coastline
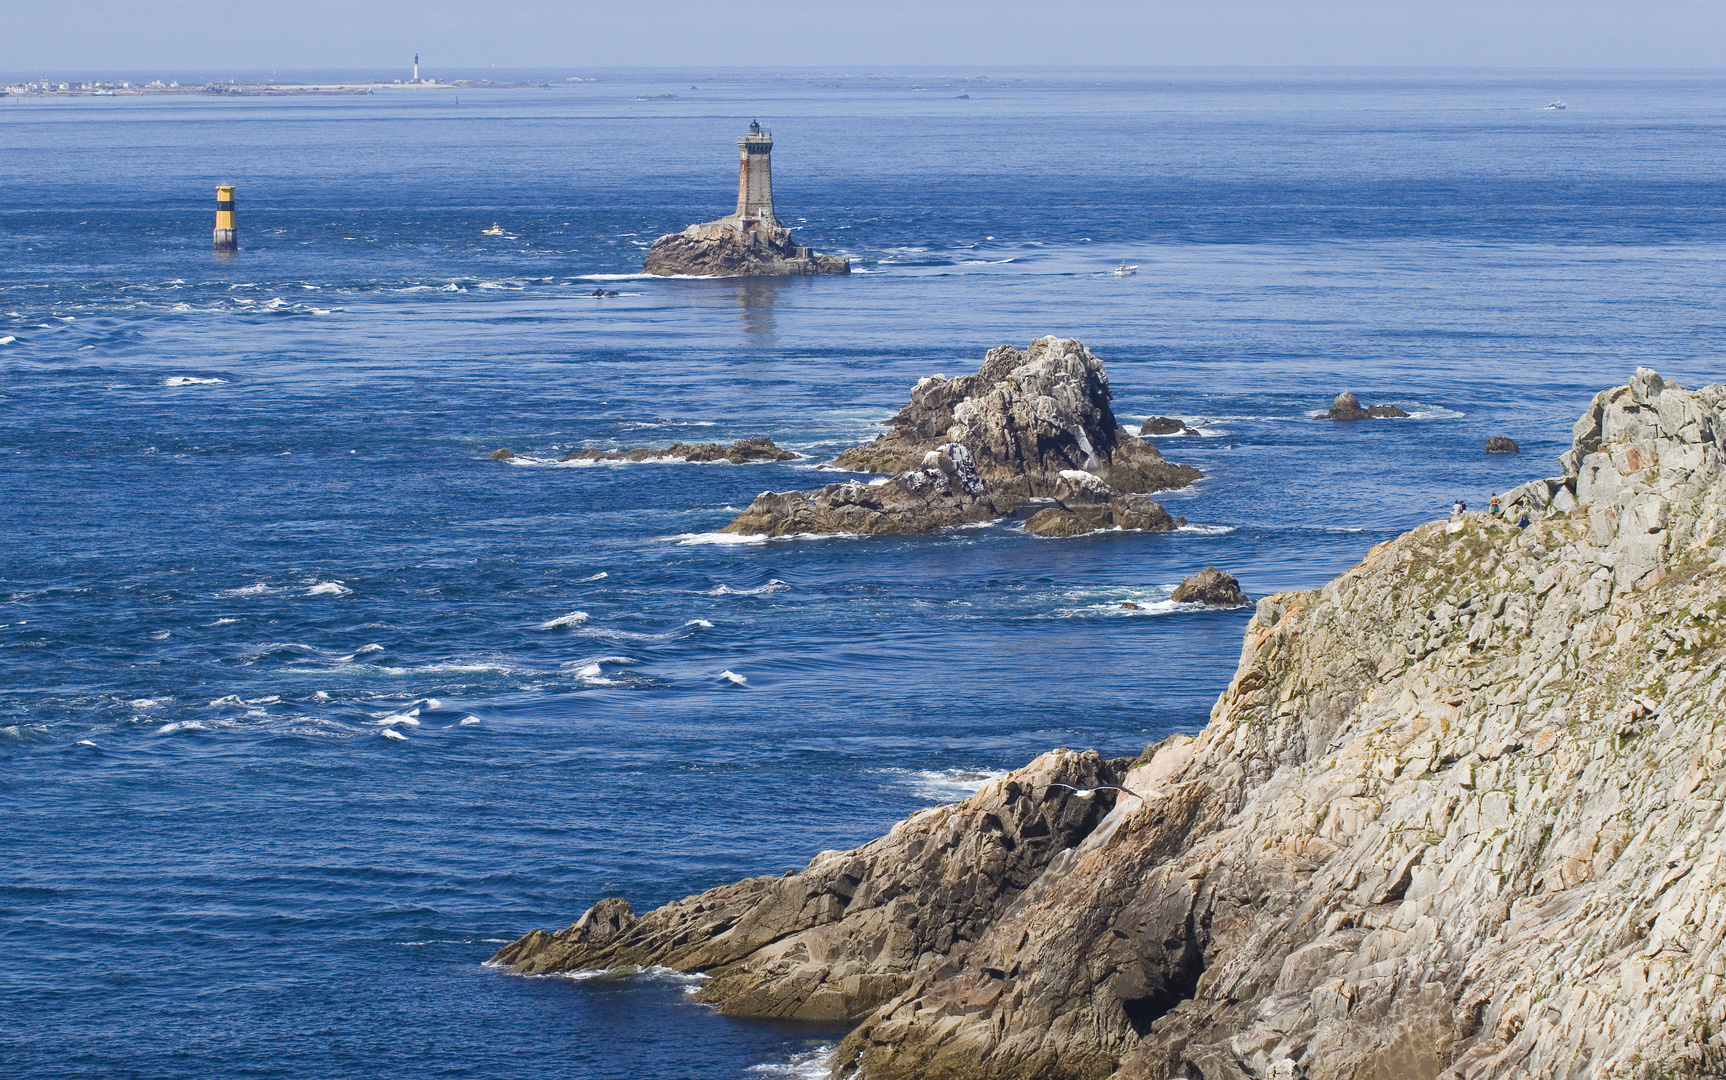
[254,88]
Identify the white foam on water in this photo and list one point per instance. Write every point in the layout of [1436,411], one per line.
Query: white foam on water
[260,589]
[468,721]
[329,588]
[591,671]
[1206,530]
[574,618]
[321,696]
[231,699]
[733,678]
[945,785]
[407,719]
[1433,412]
[773,585]
[7,340]
[181,725]
[813,1065]
[732,539]
[361,651]
[149,702]
[602,575]
[392,733]
[224,622]
[85,742]
[190,380]
[271,700]
[631,635]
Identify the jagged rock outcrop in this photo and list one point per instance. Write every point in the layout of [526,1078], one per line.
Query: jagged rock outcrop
[1502,444]
[740,452]
[972,449]
[1348,407]
[1458,815]
[734,246]
[1165,425]
[1216,588]
[1083,504]
[849,931]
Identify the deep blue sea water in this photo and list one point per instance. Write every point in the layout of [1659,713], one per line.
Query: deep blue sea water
[250,529]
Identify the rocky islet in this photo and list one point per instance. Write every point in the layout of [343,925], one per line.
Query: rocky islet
[1458,814]
[1030,424]
[1348,407]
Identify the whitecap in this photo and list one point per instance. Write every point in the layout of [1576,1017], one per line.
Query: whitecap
[181,725]
[392,733]
[574,618]
[231,699]
[224,622]
[773,585]
[329,588]
[1207,530]
[260,589]
[190,380]
[468,721]
[87,742]
[321,696]
[602,575]
[361,651]
[7,340]
[733,678]
[148,702]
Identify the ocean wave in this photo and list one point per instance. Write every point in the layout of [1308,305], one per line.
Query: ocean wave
[1207,530]
[260,589]
[601,576]
[363,650]
[329,588]
[182,725]
[732,677]
[773,585]
[7,340]
[574,618]
[392,733]
[630,635]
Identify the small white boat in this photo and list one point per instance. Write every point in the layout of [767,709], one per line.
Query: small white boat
[1125,270]
[1558,105]
[495,230]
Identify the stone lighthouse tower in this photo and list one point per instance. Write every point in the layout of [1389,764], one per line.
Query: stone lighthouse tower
[755,177]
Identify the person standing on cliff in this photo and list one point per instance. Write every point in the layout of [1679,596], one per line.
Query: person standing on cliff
[1493,507]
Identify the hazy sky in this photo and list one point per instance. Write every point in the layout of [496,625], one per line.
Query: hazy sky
[107,35]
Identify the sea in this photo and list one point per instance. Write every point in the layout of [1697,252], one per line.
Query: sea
[307,705]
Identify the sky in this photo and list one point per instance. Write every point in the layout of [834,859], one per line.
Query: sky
[71,36]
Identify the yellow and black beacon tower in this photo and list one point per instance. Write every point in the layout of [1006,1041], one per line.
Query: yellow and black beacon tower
[227,237]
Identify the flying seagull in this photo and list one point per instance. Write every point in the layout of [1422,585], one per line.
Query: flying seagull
[1085,793]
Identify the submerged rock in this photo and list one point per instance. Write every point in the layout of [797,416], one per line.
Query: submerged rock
[971,449]
[740,452]
[1457,815]
[1348,407]
[1502,444]
[1210,586]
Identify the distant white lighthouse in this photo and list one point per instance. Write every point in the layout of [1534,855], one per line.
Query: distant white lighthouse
[416,67]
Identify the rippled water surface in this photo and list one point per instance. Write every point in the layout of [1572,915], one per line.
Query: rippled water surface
[306,705]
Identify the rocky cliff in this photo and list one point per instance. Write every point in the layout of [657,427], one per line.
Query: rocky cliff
[1029,424]
[734,247]
[1458,814]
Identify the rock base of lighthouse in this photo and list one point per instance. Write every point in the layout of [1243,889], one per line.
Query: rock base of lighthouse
[733,247]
